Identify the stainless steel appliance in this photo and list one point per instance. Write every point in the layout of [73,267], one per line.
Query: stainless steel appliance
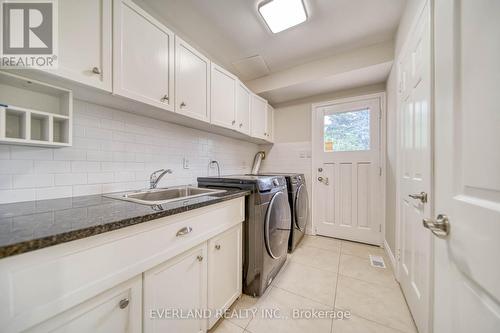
[267,226]
[299,205]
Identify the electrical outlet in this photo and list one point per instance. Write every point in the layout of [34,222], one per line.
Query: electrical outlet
[185,163]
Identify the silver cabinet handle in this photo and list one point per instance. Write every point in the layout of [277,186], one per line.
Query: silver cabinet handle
[323,180]
[96,70]
[233,122]
[422,196]
[183,104]
[164,99]
[241,125]
[199,258]
[439,226]
[217,246]
[184,231]
[124,303]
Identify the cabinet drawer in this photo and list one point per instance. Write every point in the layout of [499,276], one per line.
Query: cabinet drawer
[40,284]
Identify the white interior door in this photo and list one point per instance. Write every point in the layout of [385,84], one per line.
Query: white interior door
[415,178]
[348,196]
[467,189]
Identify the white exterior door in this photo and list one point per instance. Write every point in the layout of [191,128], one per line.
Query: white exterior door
[347,169]
[467,188]
[85,42]
[415,179]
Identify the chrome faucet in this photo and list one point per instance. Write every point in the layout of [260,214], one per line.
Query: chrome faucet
[154,179]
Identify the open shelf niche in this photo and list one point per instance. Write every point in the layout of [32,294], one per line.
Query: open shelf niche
[34,113]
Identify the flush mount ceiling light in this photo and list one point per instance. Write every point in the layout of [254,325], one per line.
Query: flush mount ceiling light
[280,15]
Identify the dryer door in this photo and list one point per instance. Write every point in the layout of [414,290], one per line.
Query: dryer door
[301,207]
[277,225]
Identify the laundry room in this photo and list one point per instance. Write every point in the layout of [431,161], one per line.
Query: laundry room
[249,166]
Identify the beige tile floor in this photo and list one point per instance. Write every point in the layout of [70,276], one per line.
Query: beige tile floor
[326,274]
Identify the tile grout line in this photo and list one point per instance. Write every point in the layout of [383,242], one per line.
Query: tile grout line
[336,285]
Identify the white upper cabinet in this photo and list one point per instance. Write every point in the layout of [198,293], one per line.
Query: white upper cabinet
[192,82]
[223,97]
[224,271]
[270,124]
[243,95]
[259,117]
[143,56]
[85,47]
[180,283]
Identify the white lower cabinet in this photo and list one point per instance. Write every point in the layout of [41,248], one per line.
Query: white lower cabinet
[224,271]
[118,310]
[173,289]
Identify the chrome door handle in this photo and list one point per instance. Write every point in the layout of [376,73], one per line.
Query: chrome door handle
[323,180]
[439,226]
[184,231]
[422,196]
[96,70]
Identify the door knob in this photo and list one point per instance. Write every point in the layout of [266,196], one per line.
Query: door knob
[96,70]
[422,196]
[323,180]
[439,226]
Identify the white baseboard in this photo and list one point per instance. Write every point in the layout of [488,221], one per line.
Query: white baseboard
[390,255]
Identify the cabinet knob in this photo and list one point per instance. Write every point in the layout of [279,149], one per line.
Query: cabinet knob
[199,258]
[124,303]
[164,99]
[217,246]
[265,134]
[96,70]
[183,104]
[241,125]
[233,122]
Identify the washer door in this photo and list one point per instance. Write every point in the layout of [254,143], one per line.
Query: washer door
[277,225]
[301,207]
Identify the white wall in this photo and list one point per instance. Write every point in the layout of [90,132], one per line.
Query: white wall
[291,151]
[115,151]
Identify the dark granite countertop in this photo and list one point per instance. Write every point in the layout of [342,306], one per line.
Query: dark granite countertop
[32,225]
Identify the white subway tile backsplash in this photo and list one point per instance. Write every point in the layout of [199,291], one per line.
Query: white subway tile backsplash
[32,180]
[53,192]
[52,166]
[70,179]
[116,151]
[100,177]
[16,166]
[5,182]
[84,166]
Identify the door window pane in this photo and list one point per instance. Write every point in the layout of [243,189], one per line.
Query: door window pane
[347,131]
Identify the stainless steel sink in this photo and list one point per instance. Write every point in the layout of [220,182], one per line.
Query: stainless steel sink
[164,195]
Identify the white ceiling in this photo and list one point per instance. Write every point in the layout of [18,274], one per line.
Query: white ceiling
[230,31]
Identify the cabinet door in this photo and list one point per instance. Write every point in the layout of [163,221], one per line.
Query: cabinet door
[243,108]
[143,57]
[178,284]
[85,46]
[223,97]
[259,117]
[118,310]
[192,78]
[224,271]
[270,124]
